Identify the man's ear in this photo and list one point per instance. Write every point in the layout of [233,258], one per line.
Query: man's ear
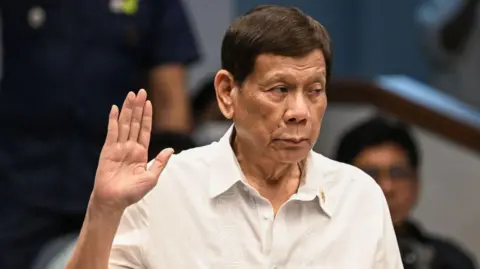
[226,88]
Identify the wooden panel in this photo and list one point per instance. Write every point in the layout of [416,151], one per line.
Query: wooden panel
[414,103]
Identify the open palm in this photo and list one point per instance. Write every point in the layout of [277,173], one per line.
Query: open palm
[122,176]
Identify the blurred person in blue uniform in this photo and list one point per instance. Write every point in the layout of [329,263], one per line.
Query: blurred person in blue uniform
[65,62]
[389,154]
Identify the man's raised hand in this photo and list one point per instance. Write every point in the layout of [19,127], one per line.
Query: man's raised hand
[122,176]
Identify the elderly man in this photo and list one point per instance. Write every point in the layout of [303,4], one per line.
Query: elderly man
[258,198]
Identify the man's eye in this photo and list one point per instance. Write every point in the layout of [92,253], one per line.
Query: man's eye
[373,172]
[316,91]
[280,89]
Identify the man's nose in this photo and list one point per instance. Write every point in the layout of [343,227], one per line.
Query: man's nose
[386,184]
[298,110]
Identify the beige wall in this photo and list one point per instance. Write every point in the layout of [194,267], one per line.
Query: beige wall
[450,201]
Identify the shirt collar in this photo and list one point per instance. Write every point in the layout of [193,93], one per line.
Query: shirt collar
[313,185]
[225,172]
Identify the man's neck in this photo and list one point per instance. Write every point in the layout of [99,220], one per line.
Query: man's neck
[275,181]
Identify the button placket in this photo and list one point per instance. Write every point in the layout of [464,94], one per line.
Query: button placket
[265,214]
[280,236]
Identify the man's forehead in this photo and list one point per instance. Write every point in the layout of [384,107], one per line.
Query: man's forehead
[309,74]
[313,58]
[383,154]
[271,66]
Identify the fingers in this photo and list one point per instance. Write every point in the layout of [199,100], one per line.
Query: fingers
[137,115]
[146,125]
[134,122]
[126,117]
[112,130]
[160,162]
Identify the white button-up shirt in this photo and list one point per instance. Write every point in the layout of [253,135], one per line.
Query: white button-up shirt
[203,214]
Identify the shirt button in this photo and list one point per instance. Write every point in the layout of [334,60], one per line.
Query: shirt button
[266,217]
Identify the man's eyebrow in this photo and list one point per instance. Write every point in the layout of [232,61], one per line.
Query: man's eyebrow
[277,76]
[320,77]
[320,80]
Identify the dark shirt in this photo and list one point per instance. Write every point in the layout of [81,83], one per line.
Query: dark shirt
[65,63]
[423,251]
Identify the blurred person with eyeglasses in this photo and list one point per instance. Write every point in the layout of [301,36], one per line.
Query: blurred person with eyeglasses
[387,151]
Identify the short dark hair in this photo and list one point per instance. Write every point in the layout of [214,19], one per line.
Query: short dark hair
[284,31]
[374,132]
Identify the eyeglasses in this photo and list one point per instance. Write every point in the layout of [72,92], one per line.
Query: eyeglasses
[393,172]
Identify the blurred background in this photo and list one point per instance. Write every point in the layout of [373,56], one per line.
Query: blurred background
[410,61]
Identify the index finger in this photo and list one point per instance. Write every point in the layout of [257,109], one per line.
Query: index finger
[112,130]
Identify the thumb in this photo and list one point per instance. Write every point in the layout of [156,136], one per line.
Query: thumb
[160,162]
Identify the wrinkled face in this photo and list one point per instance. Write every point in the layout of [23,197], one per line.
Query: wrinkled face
[388,165]
[279,108]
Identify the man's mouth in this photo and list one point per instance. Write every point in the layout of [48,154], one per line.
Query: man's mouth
[292,140]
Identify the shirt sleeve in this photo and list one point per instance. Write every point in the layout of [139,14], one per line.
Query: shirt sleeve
[388,252]
[431,17]
[130,239]
[170,39]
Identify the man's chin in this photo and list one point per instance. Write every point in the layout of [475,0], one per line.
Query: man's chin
[291,157]
[398,222]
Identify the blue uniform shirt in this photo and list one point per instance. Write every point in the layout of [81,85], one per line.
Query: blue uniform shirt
[65,63]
